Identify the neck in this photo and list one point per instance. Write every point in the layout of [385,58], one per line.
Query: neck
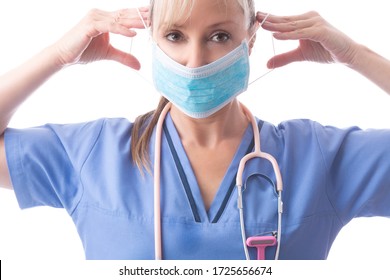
[228,123]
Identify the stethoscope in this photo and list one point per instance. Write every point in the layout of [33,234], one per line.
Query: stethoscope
[259,242]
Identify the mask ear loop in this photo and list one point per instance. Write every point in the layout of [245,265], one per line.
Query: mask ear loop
[143,22]
[258,27]
[131,48]
[273,50]
[142,19]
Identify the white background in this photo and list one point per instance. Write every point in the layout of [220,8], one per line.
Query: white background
[330,94]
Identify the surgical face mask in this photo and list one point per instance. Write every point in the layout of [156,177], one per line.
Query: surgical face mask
[202,91]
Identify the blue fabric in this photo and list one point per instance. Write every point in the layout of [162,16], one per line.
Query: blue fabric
[200,92]
[330,176]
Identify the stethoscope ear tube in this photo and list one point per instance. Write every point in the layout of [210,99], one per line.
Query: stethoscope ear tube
[280,212]
[157,177]
[240,207]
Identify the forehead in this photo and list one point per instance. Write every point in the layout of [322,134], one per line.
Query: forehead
[167,13]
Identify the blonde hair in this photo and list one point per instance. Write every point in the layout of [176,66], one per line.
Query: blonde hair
[168,12]
[171,11]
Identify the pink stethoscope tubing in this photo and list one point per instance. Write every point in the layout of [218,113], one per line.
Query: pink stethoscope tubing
[256,153]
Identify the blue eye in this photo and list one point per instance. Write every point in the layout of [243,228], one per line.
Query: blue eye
[220,37]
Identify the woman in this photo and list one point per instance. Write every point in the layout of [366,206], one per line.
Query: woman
[104,181]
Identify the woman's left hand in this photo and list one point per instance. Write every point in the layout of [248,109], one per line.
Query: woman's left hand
[318,40]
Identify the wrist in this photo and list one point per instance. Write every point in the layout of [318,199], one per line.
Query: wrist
[57,60]
[373,66]
[360,57]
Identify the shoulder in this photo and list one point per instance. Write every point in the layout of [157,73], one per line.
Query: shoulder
[303,128]
[328,135]
[72,140]
[292,129]
[91,127]
[87,132]
[110,131]
[306,136]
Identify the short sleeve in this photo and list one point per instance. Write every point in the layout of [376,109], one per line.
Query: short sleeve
[45,162]
[358,163]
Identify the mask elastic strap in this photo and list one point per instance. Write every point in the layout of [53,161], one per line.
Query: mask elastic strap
[264,19]
[273,49]
[270,70]
[142,19]
[131,48]
[258,27]
[143,22]
[145,25]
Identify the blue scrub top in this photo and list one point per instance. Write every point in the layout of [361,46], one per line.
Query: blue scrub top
[330,176]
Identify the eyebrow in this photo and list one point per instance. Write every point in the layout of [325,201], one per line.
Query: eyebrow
[212,26]
[227,22]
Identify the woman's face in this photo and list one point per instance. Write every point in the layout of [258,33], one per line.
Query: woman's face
[213,29]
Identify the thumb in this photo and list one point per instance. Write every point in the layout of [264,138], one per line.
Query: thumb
[285,58]
[123,58]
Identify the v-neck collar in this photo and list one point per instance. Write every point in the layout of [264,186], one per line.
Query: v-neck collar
[189,181]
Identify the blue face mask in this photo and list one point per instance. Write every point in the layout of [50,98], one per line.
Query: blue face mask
[200,92]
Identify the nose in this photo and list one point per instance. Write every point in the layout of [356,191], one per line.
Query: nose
[196,56]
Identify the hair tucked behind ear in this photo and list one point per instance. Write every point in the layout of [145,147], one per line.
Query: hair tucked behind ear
[140,136]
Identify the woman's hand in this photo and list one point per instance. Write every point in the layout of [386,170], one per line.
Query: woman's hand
[321,42]
[89,40]
[318,40]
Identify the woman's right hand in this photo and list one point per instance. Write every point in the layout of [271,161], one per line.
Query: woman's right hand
[89,40]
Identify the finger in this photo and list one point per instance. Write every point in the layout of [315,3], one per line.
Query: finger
[299,26]
[289,27]
[311,33]
[131,18]
[285,58]
[123,58]
[113,27]
[132,23]
[98,22]
[118,22]
[285,19]
[270,18]
[291,35]
[145,14]
[294,27]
